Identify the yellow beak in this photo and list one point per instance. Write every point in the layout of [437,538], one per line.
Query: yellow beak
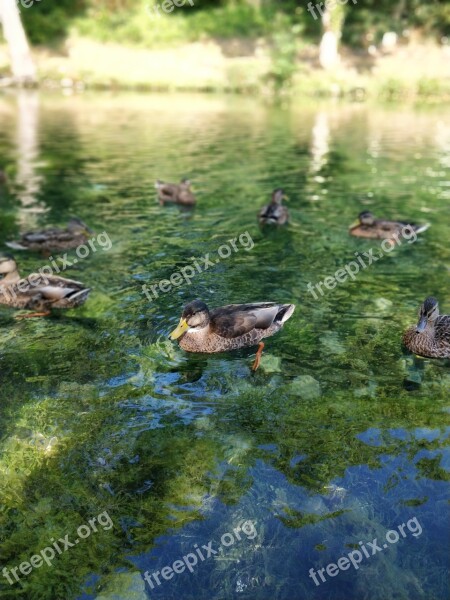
[178,332]
[354,224]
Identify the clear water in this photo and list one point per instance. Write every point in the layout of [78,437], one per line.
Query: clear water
[337,439]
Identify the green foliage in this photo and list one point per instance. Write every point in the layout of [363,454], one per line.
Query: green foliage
[126,20]
[285,45]
[46,22]
[366,21]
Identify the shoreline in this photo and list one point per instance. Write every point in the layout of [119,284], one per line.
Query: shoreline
[413,73]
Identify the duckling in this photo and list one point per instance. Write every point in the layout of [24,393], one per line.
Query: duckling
[431,336]
[38,292]
[274,213]
[49,240]
[367,226]
[230,327]
[178,193]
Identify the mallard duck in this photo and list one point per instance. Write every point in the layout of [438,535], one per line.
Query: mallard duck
[431,336]
[274,213]
[49,240]
[179,193]
[38,292]
[367,226]
[230,327]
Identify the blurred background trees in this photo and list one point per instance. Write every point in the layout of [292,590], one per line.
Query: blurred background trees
[362,24]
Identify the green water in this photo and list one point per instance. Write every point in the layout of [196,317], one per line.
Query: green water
[340,435]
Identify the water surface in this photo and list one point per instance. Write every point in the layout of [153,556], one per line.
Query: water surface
[337,439]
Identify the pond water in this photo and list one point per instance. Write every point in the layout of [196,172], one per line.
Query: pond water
[338,438]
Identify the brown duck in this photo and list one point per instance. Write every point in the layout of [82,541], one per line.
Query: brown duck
[367,226]
[431,336]
[274,213]
[177,193]
[230,327]
[39,293]
[49,240]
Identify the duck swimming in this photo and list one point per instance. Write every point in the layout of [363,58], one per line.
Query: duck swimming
[431,336]
[274,213]
[230,327]
[367,226]
[38,292]
[177,193]
[49,240]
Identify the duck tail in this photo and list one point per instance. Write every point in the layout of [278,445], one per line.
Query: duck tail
[15,246]
[421,228]
[79,297]
[285,313]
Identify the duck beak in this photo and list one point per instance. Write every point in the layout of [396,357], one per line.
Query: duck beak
[421,325]
[285,198]
[354,224]
[178,332]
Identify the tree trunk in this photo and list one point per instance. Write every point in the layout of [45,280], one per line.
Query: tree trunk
[22,65]
[332,21]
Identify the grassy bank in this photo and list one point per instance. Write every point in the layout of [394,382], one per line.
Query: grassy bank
[413,73]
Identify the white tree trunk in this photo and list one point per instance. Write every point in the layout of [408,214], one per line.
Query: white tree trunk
[328,50]
[22,64]
[332,19]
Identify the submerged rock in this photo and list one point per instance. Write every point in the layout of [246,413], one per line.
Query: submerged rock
[306,387]
[124,586]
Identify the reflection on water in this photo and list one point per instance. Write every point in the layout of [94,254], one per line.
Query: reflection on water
[27,180]
[338,438]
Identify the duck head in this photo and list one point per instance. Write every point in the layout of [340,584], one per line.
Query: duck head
[278,196]
[194,318]
[428,313]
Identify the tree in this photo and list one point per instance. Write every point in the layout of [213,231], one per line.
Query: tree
[332,21]
[22,65]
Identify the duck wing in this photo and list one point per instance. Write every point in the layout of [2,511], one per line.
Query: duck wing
[235,320]
[442,328]
[393,226]
[47,237]
[273,213]
[388,226]
[167,191]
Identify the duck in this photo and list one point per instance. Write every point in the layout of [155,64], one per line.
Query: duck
[178,193]
[230,327]
[49,240]
[431,336]
[368,226]
[274,213]
[38,292]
